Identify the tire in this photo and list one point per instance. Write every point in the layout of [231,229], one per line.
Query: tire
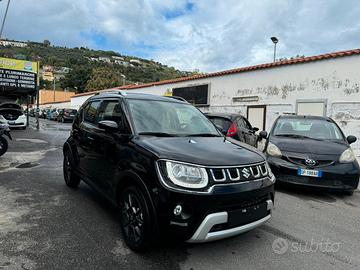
[71,179]
[135,219]
[3,145]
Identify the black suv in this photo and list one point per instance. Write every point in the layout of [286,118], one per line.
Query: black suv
[167,168]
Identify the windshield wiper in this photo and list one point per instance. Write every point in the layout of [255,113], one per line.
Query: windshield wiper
[158,134]
[298,136]
[203,135]
[292,136]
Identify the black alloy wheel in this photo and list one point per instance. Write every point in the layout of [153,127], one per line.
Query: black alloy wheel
[71,179]
[135,219]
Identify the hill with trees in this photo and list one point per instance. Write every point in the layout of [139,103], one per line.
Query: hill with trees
[89,69]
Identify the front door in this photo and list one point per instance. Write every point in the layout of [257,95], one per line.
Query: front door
[256,115]
[245,132]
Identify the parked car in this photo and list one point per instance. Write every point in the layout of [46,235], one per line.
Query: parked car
[66,115]
[312,151]
[43,113]
[14,115]
[235,126]
[52,114]
[167,168]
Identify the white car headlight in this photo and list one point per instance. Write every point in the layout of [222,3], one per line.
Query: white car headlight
[347,156]
[186,175]
[22,116]
[273,150]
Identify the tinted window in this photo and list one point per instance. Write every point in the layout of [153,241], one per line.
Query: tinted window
[90,112]
[110,110]
[169,117]
[221,122]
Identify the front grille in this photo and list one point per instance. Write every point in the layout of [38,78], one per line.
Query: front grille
[241,173]
[301,161]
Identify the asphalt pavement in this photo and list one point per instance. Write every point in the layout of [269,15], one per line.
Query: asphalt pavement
[45,225]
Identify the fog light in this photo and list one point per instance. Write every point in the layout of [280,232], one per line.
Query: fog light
[177,210]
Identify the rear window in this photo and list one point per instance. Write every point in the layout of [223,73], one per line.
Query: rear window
[221,122]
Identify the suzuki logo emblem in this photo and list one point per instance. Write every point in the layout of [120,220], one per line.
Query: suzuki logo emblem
[246,173]
[310,162]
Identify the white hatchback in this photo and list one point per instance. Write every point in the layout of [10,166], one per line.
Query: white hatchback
[13,115]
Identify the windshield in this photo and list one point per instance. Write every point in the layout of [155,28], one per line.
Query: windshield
[170,118]
[320,129]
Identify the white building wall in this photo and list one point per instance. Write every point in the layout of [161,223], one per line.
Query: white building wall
[337,81]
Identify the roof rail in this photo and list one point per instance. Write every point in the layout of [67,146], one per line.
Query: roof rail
[178,98]
[120,92]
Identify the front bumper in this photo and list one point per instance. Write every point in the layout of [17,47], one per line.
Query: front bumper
[338,176]
[204,234]
[17,124]
[227,211]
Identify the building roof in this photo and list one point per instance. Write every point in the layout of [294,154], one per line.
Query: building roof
[250,68]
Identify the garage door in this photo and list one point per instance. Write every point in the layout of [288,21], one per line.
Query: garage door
[256,116]
[316,108]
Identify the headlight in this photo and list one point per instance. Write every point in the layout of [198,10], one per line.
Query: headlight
[273,150]
[347,156]
[22,116]
[186,175]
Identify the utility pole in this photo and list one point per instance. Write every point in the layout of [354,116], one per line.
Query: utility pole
[3,22]
[37,97]
[54,86]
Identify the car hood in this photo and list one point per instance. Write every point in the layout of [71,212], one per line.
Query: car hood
[209,151]
[309,146]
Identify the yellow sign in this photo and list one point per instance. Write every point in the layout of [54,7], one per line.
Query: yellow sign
[20,65]
[48,76]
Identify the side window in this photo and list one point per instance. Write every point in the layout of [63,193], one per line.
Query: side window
[110,110]
[241,123]
[247,124]
[90,112]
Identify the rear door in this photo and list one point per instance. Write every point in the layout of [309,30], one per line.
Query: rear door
[87,146]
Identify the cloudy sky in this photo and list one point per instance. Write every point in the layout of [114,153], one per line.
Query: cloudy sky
[208,35]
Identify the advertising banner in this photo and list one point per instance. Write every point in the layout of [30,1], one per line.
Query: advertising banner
[17,77]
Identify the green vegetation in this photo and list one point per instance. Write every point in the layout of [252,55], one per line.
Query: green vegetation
[86,73]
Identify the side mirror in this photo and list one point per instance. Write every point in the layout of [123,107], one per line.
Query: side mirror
[351,139]
[263,134]
[109,126]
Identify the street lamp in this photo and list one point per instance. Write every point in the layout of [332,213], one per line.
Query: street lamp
[274,40]
[3,22]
